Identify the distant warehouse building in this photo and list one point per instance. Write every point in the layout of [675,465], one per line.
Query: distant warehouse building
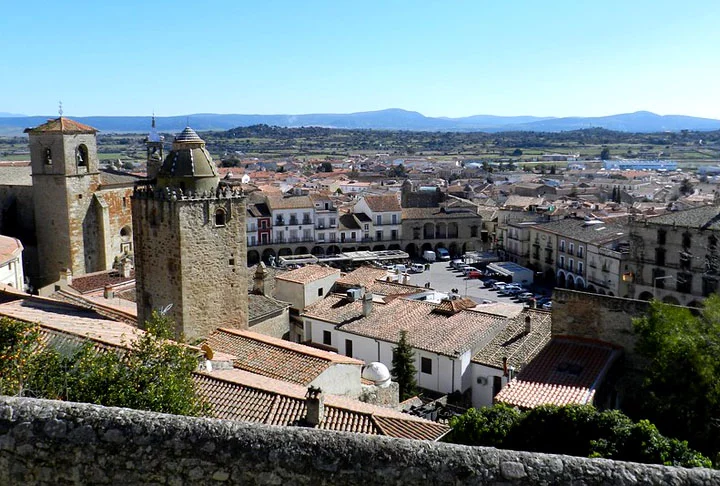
[659,165]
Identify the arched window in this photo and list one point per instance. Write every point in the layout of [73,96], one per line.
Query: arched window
[81,156]
[220,217]
[47,156]
[126,233]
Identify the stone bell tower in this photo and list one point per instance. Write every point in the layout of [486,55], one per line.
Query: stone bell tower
[190,244]
[154,144]
[64,164]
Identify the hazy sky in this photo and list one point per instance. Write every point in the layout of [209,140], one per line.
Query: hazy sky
[449,58]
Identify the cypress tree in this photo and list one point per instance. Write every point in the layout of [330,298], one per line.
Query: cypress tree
[404,371]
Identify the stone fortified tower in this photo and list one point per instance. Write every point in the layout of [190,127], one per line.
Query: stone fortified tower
[63,157]
[190,244]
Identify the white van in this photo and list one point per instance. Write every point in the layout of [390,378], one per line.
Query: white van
[417,268]
[429,256]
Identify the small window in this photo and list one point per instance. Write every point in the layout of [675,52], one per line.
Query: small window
[220,217]
[348,348]
[378,219]
[426,366]
[320,292]
[572,248]
[81,156]
[580,251]
[47,156]
[231,262]
[327,338]
[562,245]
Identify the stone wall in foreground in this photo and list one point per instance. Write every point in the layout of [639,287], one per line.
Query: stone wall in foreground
[47,442]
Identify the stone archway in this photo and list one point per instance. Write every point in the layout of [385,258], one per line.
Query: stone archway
[429,231]
[560,280]
[317,251]
[364,248]
[267,253]
[669,299]
[440,245]
[426,247]
[453,249]
[412,250]
[378,248]
[301,250]
[333,250]
[285,252]
[570,282]
[591,288]
[645,296]
[394,246]
[579,283]
[253,257]
[452,230]
[441,230]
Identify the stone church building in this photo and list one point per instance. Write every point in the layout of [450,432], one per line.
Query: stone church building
[72,216]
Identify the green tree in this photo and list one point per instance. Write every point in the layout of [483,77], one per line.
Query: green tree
[553,169]
[681,387]
[578,430]
[404,371]
[605,154]
[686,187]
[155,373]
[326,167]
[517,152]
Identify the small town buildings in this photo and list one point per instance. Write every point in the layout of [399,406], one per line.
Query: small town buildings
[675,257]
[305,286]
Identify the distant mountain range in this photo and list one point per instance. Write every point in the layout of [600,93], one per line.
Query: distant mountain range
[391,119]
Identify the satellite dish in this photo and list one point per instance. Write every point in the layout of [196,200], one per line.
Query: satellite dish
[208,351]
[245,179]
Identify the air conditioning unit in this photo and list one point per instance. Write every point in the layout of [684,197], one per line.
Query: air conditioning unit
[354,294]
[482,380]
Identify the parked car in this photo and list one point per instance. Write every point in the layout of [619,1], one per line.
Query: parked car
[489,282]
[467,269]
[525,296]
[417,268]
[429,256]
[542,301]
[547,305]
[442,254]
[456,264]
[498,285]
[474,274]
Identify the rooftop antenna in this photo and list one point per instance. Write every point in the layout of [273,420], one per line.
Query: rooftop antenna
[60,110]
[153,119]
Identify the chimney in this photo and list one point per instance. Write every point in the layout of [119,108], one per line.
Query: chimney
[66,276]
[315,405]
[528,324]
[367,304]
[108,292]
[261,274]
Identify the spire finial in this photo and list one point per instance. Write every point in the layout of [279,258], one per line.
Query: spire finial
[60,110]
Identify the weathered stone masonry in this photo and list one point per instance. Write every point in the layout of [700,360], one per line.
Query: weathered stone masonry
[47,442]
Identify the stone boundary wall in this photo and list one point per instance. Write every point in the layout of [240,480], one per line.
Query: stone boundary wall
[48,442]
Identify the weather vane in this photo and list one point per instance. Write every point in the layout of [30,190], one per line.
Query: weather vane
[60,108]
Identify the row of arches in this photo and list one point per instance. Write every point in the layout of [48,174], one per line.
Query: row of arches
[440,230]
[668,299]
[569,281]
[254,256]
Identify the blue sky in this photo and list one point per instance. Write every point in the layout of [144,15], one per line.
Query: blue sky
[452,58]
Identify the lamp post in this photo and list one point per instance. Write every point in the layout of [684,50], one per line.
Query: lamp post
[655,284]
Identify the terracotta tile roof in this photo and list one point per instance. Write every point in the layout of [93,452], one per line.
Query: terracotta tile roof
[453,306]
[98,280]
[294,202]
[275,358]
[515,344]
[522,202]
[381,203]
[260,306]
[567,371]
[365,276]
[449,335]
[62,125]
[239,395]
[439,213]
[380,287]
[308,273]
[110,177]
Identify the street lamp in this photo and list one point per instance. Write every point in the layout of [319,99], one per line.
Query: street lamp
[655,284]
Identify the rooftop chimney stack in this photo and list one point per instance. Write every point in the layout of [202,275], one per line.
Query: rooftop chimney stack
[505,366]
[315,405]
[259,278]
[367,304]
[108,292]
[528,324]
